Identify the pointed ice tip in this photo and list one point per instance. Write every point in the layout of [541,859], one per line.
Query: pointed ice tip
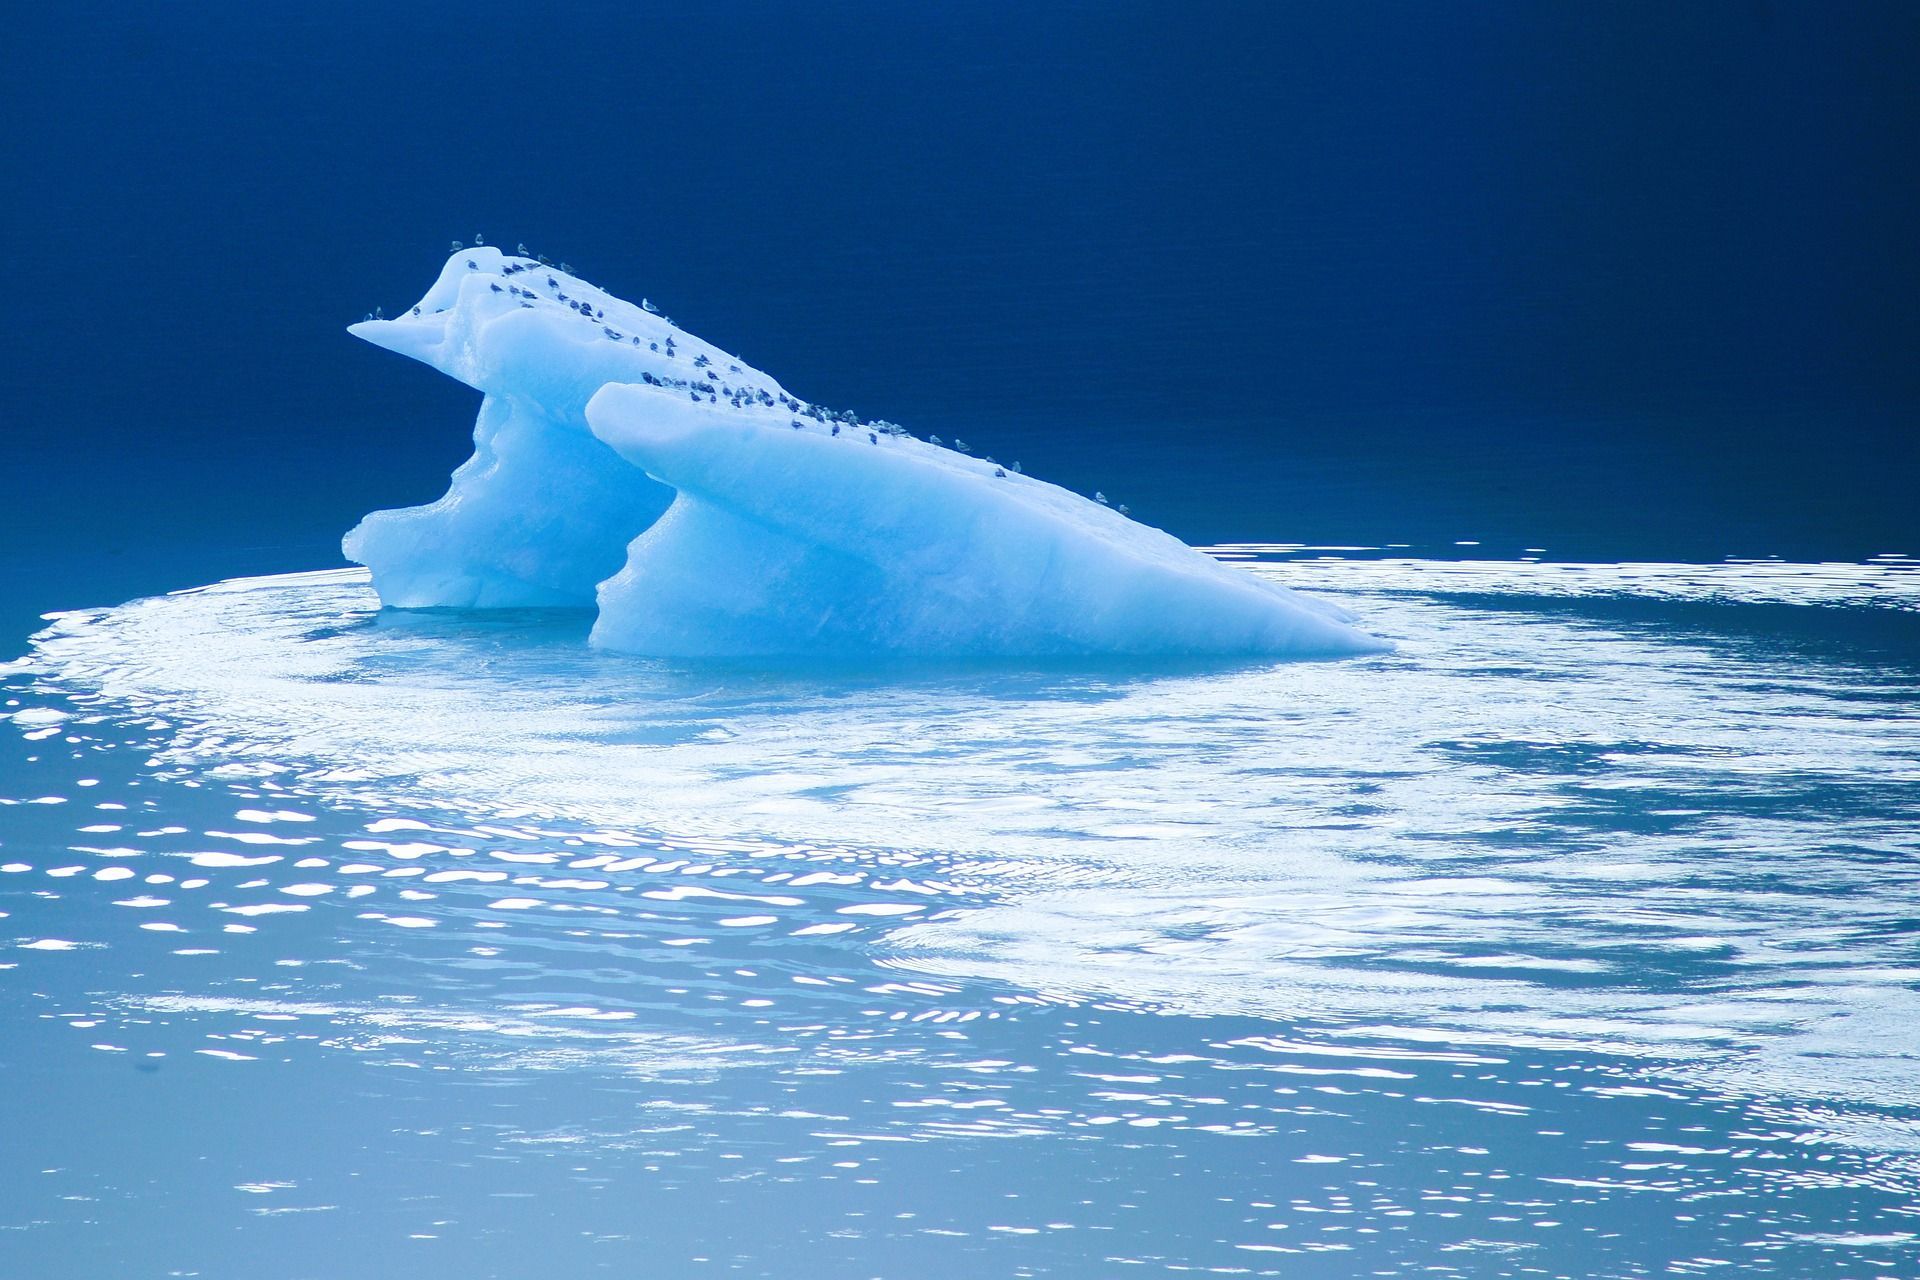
[419,341]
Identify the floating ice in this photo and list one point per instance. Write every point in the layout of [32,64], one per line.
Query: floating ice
[802,540]
[710,513]
[542,512]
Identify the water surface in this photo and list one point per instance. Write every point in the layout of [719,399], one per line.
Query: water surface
[1576,937]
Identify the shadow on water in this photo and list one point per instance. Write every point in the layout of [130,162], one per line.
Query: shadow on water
[1886,637]
[561,634]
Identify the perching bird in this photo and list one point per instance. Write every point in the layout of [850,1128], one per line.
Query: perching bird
[1100,497]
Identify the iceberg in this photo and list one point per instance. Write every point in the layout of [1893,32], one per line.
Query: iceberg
[707,512]
[543,512]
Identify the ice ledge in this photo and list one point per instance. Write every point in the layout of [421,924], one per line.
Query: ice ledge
[795,539]
[623,462]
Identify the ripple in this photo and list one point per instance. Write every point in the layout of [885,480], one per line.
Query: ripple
[1555,877]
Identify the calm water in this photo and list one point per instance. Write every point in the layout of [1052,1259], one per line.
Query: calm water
[1577,938]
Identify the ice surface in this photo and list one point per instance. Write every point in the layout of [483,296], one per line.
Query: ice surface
[710,513]
[868,541]
[542,512]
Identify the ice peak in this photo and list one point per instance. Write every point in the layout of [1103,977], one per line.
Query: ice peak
[619,459]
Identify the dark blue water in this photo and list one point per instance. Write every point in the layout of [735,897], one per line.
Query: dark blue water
[1626,282]
[1576,938]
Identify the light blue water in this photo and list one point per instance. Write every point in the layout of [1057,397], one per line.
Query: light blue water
[1578,938]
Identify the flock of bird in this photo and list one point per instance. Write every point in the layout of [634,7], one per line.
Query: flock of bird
[712,387]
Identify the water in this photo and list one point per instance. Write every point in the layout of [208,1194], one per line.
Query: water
[1576,938]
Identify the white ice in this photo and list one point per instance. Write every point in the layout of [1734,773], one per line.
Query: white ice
[710,513]
[542,512]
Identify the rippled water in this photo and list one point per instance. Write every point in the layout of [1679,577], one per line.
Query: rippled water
[1580,937]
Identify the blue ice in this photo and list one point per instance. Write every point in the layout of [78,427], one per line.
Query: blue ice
[622,462]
